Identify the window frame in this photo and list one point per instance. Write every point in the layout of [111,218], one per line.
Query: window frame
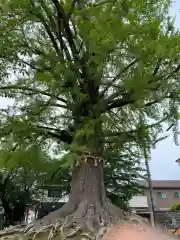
[160,195]
[50,191]
[178,196]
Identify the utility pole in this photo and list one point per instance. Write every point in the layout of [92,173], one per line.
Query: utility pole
[153,217]
[144,144]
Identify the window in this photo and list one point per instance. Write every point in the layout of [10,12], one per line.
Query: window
[54,193]
[162,195]
[177,195]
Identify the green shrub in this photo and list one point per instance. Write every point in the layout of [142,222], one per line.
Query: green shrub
[176,207]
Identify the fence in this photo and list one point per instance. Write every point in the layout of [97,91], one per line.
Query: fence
[168,218]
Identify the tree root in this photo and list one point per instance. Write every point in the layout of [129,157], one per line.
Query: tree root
[86,222]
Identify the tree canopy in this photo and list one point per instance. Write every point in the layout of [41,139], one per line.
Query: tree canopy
[54,55]
[18,188]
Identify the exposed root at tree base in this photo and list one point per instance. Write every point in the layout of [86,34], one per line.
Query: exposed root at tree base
[72,221]
[85,221]
[85,213]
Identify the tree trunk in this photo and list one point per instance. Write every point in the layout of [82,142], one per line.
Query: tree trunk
[8,212]
[13,214]
[88,181]
[18,212]
[88,204]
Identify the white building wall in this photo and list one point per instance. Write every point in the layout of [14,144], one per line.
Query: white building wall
[138,202]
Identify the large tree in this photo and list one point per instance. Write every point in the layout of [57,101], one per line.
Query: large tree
[88,75]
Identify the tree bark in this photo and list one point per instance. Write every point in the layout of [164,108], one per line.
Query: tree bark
[88,181]
[88,204]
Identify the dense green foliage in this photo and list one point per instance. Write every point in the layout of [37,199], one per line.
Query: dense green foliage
[121,177]
[176,207]
[18,188]
[87,76]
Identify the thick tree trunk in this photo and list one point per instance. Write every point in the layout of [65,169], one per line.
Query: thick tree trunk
[88,181]
[88,204]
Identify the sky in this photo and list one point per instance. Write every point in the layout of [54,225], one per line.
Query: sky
[162,164]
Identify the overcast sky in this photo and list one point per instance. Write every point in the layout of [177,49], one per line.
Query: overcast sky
[163,165]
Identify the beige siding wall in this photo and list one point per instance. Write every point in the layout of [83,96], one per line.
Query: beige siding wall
[169,201]
[163,204]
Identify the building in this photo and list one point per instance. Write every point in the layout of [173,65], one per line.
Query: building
[165,194]
[50,200]
[52,193]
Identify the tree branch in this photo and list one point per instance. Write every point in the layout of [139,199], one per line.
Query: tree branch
[73,4]
[157,67]
[134,131]
[57,105]
[56,29]
[129,99]
[33,66]
[61,15]
[159,140]
[48,30]
[148,104]
[61,135]
[117,76]
[51,103]
[33,90]
[49,15]
[177,69]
